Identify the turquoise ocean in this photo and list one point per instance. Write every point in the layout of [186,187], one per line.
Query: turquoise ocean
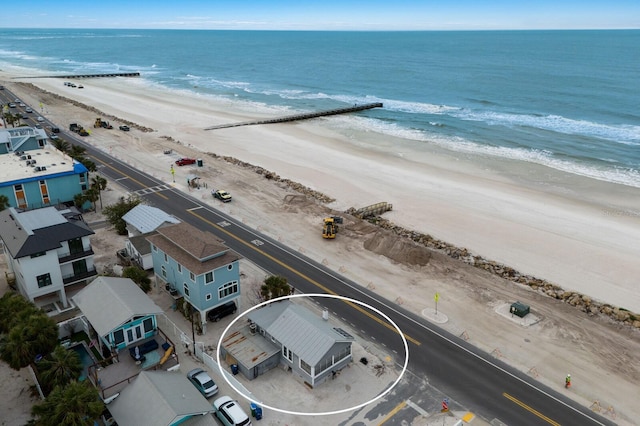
[569,100]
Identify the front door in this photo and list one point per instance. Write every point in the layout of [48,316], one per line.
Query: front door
[134,334]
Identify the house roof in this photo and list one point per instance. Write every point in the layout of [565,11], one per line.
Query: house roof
[141,243]
[109,302]
[40,230]
[158,398]
[304,333]
[146,218]
[198,251]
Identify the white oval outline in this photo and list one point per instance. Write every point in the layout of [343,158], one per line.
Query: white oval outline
[327,413]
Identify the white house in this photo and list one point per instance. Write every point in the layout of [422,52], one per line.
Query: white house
[47,250]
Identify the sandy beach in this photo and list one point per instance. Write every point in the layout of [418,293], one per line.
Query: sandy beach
[578,233]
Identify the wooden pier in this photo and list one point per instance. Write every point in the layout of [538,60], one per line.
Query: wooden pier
[117,74]
[299,117]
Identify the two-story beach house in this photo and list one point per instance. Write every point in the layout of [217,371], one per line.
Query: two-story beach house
[48,252]
[195,265]
[33,174]
[288,334]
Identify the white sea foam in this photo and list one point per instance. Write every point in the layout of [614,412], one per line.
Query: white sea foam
[607,173]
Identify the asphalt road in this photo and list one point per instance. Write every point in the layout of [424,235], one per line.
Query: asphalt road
[470,378]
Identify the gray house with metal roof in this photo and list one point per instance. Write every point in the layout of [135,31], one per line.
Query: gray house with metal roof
[308,344]
[143,219]
[159,398]
[47,250]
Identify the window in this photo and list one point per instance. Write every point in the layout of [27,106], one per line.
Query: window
[44,280]
[305,367]
[75,246]
[163,270]
[147,325]
[44,192]
[208,296]
[230,266]
[118,337]
[192,277]
[186,289]
[154,248]
[166,259]
[287,353]
[208,277]
[21,198]
[228,289]
[179,268]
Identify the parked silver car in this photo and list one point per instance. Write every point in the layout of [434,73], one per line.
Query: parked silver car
[203,382]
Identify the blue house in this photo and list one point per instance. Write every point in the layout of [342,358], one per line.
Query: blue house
[119,312]
[34,174]
[196,265]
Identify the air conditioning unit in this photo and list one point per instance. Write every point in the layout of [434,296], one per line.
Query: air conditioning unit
[43,168]
[36,169]
[28,162]
[24,157]
[33,161]
[28,157]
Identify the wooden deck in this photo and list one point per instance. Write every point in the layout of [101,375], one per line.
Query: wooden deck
[113,378]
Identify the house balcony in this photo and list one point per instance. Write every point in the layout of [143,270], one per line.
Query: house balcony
[69,257]
[79,276]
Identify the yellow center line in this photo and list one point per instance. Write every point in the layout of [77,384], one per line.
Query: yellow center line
[128,177]
[530,409]
[393,412]
[300,274]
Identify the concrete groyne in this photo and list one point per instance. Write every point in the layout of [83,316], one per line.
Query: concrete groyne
[298,117]
[117,74]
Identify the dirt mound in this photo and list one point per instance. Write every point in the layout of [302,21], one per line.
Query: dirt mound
[398,249]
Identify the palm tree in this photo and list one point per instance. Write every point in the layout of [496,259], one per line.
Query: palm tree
[76,404]
[4,202]
[37,335]
[92,194]
[77,151]
[13,309]
[100,184]
[59,368]
[61,145]
[275,286]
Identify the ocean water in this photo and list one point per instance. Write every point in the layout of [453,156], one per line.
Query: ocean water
[565,99]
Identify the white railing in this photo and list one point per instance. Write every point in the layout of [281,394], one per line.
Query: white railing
[176,333]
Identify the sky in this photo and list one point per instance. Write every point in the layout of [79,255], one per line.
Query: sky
[331,15]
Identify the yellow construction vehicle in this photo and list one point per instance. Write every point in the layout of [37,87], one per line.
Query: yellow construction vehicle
[330,228]
[102,123]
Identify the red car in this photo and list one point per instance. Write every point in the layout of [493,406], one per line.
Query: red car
[185,161]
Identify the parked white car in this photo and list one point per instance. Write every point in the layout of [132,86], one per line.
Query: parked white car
[230,413]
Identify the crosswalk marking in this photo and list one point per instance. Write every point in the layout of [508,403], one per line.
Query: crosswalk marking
[151,190]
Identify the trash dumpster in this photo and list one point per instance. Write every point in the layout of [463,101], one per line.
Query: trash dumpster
[234,369]
[519,309]
[256,411]
[199,162]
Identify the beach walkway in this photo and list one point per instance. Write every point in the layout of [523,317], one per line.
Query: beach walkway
[298,117]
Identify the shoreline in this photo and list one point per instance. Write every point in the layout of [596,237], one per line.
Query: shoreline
[575,232]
